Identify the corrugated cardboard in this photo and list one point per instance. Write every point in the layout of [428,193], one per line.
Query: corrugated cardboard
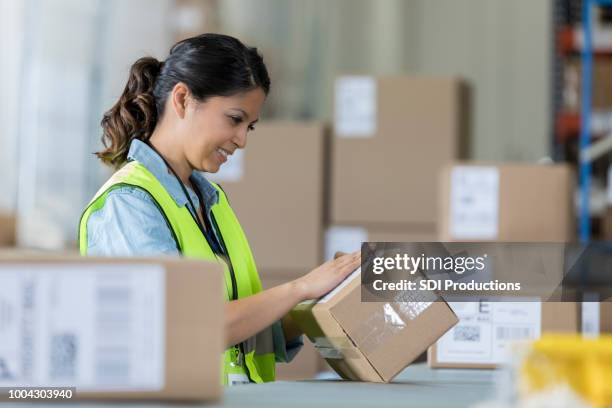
[194,339]
[561,317]
[534,203]
[356,338]
[7,230]
[390,175]
[307,363]
[279,196]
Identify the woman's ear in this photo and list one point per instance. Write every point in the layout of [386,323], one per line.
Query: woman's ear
[180,98]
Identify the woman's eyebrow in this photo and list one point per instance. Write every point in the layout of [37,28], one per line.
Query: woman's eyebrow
[241,111]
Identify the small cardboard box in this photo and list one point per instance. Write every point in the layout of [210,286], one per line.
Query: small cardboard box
[114,328]
[276,188]
[506,203]
[392,136]
[485,329]
[7,230]
[370,341]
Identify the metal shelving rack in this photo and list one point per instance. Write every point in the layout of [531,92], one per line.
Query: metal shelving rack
[588,152]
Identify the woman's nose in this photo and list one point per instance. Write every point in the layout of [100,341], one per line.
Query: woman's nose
[240,138]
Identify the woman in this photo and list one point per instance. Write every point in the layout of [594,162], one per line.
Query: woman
[174,120]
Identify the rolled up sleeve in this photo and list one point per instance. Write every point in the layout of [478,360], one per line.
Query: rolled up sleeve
[129,224]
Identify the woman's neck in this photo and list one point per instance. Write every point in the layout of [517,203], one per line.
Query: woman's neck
[172,154]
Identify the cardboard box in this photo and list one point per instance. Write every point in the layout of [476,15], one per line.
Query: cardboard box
[481,338]
[7,230]
[307,363]
[116,329]
[370,341]
[392,136]
[602,84]
[506,203]
[275,186]
[347,239]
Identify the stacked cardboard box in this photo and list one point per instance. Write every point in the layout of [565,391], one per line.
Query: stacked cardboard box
[7,230]
[276,188]
[602,84]
[392,136]
[147,329]
[505,203]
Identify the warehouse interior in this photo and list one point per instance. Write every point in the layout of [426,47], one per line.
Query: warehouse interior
[406,121]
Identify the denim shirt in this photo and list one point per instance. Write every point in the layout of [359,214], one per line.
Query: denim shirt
[130,224]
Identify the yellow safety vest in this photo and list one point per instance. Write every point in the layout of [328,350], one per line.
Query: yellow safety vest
[254,358]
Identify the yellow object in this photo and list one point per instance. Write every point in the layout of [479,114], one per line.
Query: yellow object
[582,363]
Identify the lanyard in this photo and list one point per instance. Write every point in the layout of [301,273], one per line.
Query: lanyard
[194,215]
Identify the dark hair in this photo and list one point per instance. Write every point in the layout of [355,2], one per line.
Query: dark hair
[209,64]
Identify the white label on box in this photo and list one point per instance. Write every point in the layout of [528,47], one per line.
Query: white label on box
[474,202]
[590,315]
[231,171]
[344,239]
[356,273]
[94,327]
[355,107]
[486,329]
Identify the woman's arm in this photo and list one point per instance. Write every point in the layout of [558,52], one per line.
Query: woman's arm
[247,317]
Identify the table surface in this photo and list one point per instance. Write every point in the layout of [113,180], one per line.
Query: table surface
[417,386]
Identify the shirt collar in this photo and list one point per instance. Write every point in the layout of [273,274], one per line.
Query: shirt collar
[145,155]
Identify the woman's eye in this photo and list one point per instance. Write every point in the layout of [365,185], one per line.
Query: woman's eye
[236,119]
[251,128]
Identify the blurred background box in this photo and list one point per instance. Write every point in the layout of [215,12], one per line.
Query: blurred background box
[308,362]
[8,224]
[276,188]
[602,78]
[507,203]
[113,328]
[392,135]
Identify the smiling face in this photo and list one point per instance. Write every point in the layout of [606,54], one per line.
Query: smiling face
[212,130]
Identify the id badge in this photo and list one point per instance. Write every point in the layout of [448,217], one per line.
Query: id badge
[237,379]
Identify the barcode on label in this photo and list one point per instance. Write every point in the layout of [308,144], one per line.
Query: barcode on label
[113,323]
[513,333]
[466,333]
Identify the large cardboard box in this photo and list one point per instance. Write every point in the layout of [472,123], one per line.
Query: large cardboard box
[116,329]
[392,136]
[276,188]
[485,330]
[307,363]
[506,203]
[370,341]
[7,230]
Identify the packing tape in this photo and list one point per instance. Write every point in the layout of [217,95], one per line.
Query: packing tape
[386,322]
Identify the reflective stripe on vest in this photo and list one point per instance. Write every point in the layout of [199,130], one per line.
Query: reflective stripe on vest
[259,350]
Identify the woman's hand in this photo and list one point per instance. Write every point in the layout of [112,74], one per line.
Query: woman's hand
[327,276]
